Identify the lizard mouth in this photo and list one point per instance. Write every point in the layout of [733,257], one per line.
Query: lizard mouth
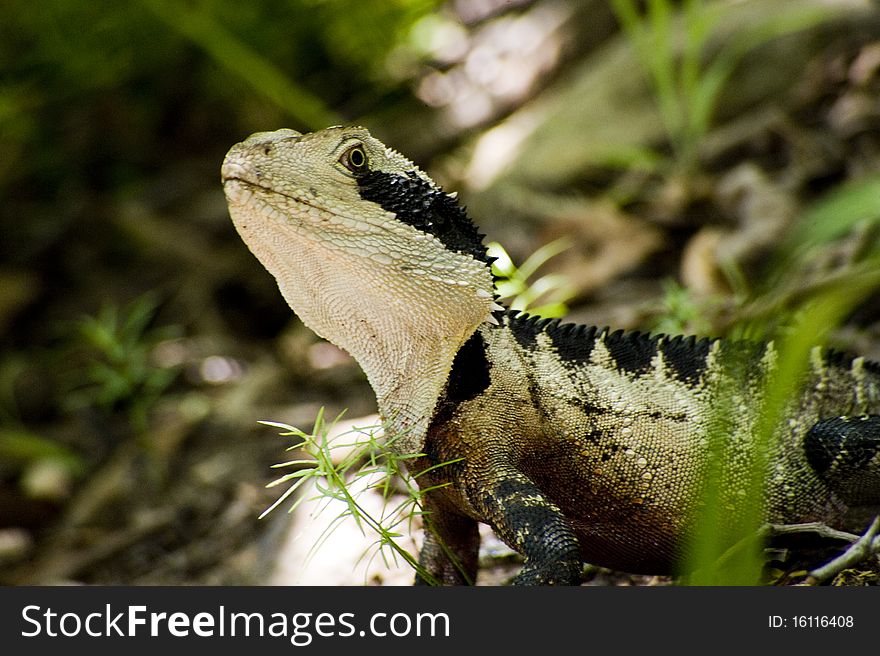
[241,183]
[243,189]
[232,170]
[239,187]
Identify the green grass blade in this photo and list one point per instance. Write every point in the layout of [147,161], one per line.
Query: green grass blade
[195,23]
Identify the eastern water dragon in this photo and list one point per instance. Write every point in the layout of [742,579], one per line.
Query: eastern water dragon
[575,444]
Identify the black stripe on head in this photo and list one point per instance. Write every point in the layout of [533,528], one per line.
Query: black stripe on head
[686,357]
[415,202]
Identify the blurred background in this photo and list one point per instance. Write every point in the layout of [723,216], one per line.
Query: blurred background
[695,166]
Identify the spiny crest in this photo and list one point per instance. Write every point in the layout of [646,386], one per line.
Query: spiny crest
[685,358]
[840,359]
[632,351]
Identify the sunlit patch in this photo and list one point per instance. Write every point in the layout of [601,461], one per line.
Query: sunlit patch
[219,369]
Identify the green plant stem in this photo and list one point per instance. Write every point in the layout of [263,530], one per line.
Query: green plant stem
[713,561]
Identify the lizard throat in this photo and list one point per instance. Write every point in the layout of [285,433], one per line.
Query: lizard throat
[405,343]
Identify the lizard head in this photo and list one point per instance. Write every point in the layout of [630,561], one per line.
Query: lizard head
[367,250]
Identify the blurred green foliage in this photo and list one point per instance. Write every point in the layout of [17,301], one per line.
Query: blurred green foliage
[852,205]
[520,289]
[94,96]
[682,313]
[356,36]
[117,371]
[21,450]
[114,118]
[671,42]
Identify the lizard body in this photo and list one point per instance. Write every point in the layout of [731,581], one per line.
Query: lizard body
[574,443]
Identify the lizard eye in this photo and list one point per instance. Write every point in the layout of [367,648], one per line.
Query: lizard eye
[354,159]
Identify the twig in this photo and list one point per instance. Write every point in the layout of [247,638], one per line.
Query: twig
[820,529]
[865,546]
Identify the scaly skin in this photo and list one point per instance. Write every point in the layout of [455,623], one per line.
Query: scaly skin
[573,443]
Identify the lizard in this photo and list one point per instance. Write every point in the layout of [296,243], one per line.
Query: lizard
[576,444]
